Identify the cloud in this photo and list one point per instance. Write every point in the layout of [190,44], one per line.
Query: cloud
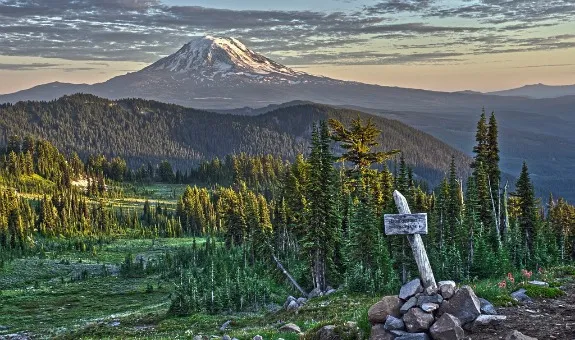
[544,65]
[26,67]
[74,69]
[397,6]
[379,58]
[146,30]
[510,11]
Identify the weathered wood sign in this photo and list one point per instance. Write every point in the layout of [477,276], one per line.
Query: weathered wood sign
[405,224]
[415,240]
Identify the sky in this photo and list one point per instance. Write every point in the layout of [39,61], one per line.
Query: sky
[443,45]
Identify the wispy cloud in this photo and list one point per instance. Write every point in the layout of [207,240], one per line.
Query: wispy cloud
[26,67]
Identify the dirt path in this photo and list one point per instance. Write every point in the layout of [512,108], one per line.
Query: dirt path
[542,319]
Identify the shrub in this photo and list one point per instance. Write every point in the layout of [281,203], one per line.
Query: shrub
[542,292]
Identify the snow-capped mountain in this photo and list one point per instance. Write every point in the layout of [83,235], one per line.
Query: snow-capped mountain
[220,73]
[209,57]
[213,73]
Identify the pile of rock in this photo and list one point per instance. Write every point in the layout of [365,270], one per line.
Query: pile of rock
[441,314]
[292,304]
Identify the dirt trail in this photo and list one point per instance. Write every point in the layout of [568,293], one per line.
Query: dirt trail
[542,319]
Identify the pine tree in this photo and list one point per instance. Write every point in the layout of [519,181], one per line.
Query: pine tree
[528,214]
[358,141]
[454,204]
[321,238]
[481,147]
[492,157]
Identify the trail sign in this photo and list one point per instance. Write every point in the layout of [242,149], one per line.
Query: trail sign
[405,224]
[411,225]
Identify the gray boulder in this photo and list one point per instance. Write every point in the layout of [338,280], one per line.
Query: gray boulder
[388,305]
[293,306]
[301,301]
[520,296]
[464,305]
[484,321]
[447,328]
[393,323]
[487,307]
[314,293]
[431,290]
[436,298]
[446,283]
[329,292]
[414,336]
[416,320]
[378,332]
[288,301]
[539,283]
[516,335]
[225,325]
[226,337]
[410,289]
[447,289]
[258,337]
[429,307]
[398,332]
[412,302]
[290,328]
[327,333]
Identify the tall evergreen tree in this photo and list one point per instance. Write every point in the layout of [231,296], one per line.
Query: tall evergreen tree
[492,156]
[528,214]
[454,204]
[321,237]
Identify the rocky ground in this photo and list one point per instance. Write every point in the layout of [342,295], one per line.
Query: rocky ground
[542,319]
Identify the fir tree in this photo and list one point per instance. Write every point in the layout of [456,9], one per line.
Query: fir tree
[528,214]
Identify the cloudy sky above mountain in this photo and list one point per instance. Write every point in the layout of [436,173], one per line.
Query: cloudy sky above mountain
[431,44]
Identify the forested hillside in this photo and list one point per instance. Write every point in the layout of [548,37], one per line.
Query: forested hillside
[141,131]
[255,229]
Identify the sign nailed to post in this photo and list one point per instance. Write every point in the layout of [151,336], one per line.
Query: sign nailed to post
[405,224]
[411,225]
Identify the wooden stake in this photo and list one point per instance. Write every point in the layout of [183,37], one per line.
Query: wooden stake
[417,246]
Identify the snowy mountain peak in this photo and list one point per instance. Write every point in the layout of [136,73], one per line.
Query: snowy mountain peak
[223,56]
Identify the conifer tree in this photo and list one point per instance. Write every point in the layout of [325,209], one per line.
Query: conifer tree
[528,214]
[321,237]
[492,157]
[454,204]
[481,139]
[359,141]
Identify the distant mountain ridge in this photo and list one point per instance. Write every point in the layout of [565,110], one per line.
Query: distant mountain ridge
[142,131]
[538,91]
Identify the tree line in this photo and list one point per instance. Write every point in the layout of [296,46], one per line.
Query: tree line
[320,216]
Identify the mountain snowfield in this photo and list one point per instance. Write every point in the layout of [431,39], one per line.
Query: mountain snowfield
[210,57]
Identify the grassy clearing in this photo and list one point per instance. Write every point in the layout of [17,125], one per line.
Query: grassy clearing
[71,296]
[154,192]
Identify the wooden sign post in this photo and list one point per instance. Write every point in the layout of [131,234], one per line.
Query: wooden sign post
[412,225]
